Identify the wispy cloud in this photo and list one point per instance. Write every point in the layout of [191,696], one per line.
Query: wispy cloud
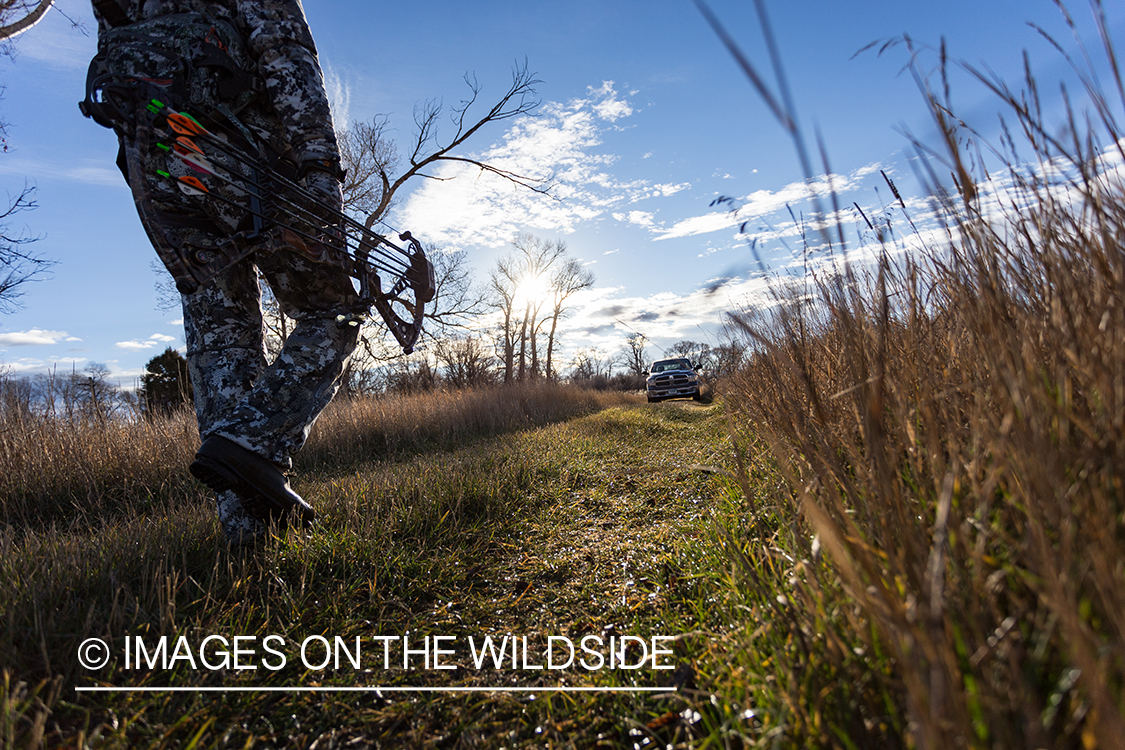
[151,342]
[763,203]
[339,96]
[603,317]
[560,147]
[91,171]
[35,337]
[32,365]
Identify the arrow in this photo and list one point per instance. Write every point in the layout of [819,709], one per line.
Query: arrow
[291,204]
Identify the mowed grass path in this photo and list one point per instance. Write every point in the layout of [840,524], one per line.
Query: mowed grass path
[589,527]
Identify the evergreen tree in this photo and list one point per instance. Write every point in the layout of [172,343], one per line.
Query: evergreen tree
[165,386]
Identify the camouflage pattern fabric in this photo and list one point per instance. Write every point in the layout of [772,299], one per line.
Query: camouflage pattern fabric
[278,39]
[267,408]
[241,528]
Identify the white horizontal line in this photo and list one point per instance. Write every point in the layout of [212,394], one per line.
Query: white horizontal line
[374,689]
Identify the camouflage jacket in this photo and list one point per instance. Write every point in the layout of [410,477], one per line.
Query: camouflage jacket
[278,39]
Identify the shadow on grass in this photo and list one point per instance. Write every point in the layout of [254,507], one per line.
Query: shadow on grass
[436,544]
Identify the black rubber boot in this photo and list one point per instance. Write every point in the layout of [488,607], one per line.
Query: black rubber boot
[223,465]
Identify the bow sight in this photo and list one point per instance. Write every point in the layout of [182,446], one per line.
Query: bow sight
[227,168]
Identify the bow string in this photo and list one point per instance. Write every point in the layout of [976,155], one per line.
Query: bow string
[394,277]
[322,234]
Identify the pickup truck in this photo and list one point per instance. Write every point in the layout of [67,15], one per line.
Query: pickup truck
[672,378]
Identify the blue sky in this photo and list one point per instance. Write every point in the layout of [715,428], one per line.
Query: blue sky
[645,121]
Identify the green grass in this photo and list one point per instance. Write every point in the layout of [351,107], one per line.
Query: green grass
[597,525]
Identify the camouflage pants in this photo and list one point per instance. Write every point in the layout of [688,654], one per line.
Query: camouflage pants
[268,408]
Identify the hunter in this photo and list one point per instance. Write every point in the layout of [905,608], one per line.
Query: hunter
[257,68]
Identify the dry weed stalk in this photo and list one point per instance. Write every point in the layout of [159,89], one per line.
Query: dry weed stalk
[952,427]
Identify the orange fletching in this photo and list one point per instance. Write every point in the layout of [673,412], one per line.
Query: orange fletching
[183,144]
[185,125]
[192,185]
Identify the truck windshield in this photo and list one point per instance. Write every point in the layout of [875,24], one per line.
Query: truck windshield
[674,364]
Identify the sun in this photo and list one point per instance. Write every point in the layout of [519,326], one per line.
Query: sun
[532,290]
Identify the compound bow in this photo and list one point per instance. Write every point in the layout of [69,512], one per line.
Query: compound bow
[281,212]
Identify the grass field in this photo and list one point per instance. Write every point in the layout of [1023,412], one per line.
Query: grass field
[901,524]
[594,526]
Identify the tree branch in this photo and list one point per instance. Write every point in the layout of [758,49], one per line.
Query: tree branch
[519,99]
[34,16]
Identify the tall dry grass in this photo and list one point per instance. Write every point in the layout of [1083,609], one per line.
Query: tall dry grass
[950,429]
[69,465]
[350,430]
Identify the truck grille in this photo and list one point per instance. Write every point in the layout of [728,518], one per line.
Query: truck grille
[675,380]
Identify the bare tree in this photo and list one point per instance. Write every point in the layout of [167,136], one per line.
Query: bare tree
[589,363]
[410,374]
[567,281]
[539,258]
[698,353]
[726,359]
[536,274]
[503,283]
[369,157]
[465,361]
[375,159]
[457,300]
[17,265]
[633,355]
[90,396]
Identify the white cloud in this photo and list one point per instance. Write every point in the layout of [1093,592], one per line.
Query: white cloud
[660,190]
[339,97]
[640,218]
[34,337]
[31,365]
[606,104]
[90,171]
[763,203]
[602,319]
[151,342]
[466,206]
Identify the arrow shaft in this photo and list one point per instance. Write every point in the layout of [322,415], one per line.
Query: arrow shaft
[295,209]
